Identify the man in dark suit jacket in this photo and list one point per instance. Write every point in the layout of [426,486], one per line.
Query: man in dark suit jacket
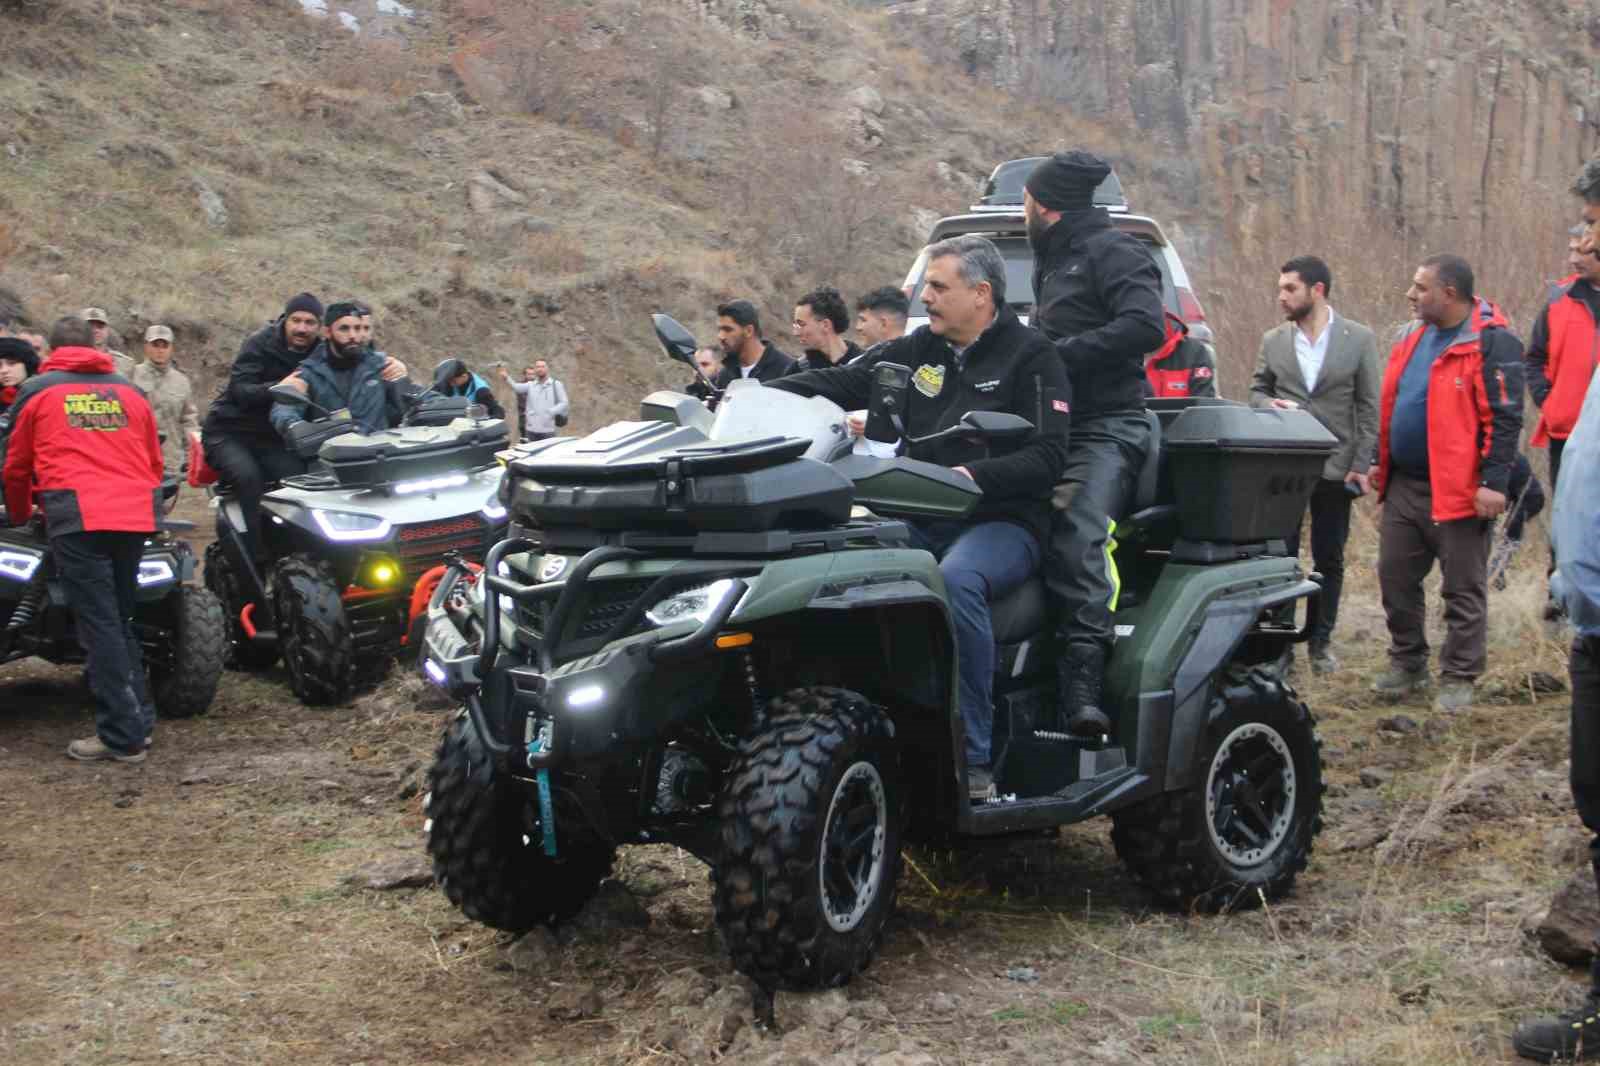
[745,353]
[1327,364]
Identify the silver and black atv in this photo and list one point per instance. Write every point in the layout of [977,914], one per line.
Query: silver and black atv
[179,623]
[352,549]
[713,632]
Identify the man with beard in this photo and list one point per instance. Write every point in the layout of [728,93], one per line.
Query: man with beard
[1098,299]
[1327,364]
[745,353]
[820,322]
[881,316]
[342,374]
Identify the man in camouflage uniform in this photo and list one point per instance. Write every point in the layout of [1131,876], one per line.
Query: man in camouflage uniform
[171,397]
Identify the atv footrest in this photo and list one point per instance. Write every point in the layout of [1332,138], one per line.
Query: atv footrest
[1044,763]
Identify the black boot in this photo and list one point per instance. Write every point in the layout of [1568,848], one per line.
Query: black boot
[1079,676]
[1573,1035]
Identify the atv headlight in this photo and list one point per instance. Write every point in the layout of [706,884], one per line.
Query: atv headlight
[19,565]
[691,605]
[347,526]
[431,484]
[154,572]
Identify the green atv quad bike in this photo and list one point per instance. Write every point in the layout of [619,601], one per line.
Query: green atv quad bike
[709,631]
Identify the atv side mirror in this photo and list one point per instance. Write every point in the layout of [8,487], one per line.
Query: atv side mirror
[678,341]
[996,425]
[886,407]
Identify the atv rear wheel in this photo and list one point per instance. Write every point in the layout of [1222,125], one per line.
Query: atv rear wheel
[487,846]
[242,652]
[1248,828]
[185,686]
[810,860]
[313,631]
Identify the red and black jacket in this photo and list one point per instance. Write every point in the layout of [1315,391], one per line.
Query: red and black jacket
[84,440]
[1474,411]
[1181,367]
[1562,353]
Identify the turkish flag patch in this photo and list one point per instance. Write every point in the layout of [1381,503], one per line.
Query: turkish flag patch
[1060,405]
[1202,372]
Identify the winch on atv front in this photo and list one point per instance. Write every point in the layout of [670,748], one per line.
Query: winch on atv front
[351,551]
[712,633]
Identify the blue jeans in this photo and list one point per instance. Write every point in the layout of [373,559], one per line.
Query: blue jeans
[980,564]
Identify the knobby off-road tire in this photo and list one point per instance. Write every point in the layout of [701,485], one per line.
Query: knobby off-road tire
[811,817]
[487,846]
[1248,828]
[313,632]
[242,652]
[187,688]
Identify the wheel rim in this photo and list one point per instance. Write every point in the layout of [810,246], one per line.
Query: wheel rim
[853,836]
[1250,794]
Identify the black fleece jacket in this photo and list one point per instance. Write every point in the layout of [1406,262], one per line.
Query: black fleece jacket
[1010,368]
[1097,294]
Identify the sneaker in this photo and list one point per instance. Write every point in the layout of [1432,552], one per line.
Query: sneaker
[1571,1036]
[1395,682]
[93,749]
[1455,694]
[1322,661]
[980,783]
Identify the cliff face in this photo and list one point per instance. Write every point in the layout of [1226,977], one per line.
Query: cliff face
[1422,116]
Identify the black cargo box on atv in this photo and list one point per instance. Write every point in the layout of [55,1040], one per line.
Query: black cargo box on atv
[659,477]
[413,453]
[1243,474]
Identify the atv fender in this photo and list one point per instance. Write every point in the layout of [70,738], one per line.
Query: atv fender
[1226,622]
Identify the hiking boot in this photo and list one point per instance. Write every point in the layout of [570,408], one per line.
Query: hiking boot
[1322,661]
[1079,677]
[1396,682]
[1455,694]
[93,749]
[980,783]
[1571,1036]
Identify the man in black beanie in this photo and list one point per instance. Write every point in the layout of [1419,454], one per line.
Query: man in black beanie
[1097,296]
[342,373]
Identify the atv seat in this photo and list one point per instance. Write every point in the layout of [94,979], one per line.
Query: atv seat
[1026,612]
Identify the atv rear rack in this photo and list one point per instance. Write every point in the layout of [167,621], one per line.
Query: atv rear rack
[572,539]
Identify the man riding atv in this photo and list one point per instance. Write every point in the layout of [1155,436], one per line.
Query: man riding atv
[342,374]
[974,355]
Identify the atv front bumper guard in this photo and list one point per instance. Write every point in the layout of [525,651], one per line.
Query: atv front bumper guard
[450,661]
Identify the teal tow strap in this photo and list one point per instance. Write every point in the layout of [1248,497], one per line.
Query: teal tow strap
[547,810]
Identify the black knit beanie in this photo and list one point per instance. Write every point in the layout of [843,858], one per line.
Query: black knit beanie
[304,302]
[1067,180]
[20,351]
[342,309]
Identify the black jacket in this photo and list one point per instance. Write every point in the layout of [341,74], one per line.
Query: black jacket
[812,359]
[1011,368]
[1098,298]
[772,365]
[241,409]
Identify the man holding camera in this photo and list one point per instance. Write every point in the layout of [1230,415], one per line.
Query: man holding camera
[1327,364]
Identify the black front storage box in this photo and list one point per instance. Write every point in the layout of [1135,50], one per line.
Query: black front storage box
[414,453]
[1242,475]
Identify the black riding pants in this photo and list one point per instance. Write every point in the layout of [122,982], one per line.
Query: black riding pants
[251,465]
[1095,491]
[100,575]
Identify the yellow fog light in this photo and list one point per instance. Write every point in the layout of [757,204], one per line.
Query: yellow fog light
[382,572]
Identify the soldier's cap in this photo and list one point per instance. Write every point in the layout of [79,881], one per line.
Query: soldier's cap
[94,314]
[158,333]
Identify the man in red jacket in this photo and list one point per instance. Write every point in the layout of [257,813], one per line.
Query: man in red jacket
[1181,367]
[83,441]
[1450,414]
[1562,352]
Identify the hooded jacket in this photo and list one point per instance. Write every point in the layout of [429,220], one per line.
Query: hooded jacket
[1010,368]
[1562,353]
[1474,411]
[1097,296]
[242,409]
[372,403]
[1181,367]
[82,439]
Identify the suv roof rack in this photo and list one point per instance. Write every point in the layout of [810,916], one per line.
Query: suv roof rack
[1003,190]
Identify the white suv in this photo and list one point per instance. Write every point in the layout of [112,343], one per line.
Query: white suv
[998,216]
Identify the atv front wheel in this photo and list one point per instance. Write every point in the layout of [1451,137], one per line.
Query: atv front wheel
[1248,828]
[242,652]
[487,846]
[313,631]
[184,686]
[811,820]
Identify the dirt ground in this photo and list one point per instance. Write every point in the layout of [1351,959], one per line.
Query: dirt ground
[212,906]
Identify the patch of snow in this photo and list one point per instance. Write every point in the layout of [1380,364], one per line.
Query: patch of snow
[351,23]
[394,7]
[318,8]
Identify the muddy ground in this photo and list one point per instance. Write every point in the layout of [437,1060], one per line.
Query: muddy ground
[213,905]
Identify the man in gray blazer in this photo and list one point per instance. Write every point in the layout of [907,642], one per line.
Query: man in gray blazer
[1327,364]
